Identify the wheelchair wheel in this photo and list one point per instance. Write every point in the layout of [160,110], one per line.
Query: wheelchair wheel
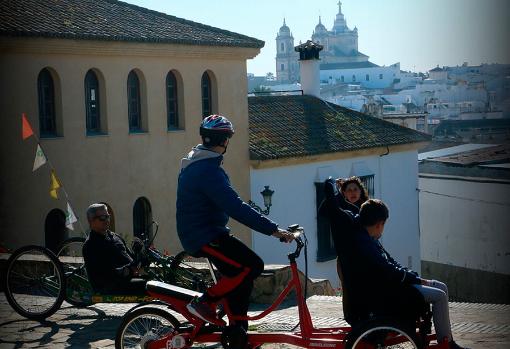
[378,335]
[78,288]
[143,325]
[191,272]
[34,282]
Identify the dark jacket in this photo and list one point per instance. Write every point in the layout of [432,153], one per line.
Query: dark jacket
[373,279]
[106,258]
[206,200]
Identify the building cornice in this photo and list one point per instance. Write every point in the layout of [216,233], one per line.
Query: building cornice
[102,48]
[381,151]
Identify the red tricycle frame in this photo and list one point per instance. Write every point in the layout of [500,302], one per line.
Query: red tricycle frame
[307,336]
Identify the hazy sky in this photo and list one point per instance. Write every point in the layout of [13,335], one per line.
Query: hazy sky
[419,34]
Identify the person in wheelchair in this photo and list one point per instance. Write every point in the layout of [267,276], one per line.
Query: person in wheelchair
[111,267]
[205,201]
[377,284]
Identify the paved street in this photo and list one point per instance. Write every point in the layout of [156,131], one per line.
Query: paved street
[474,325]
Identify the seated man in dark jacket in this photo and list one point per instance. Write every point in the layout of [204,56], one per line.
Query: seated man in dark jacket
[109,263]
[377,284]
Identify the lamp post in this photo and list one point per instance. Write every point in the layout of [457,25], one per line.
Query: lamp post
[266,195]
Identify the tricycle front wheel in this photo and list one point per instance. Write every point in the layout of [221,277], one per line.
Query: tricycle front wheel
[142,325]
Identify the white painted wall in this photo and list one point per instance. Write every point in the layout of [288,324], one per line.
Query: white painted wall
[396,178]
[388,75]
[468,228]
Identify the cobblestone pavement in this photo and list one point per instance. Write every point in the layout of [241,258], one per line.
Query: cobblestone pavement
[474,325]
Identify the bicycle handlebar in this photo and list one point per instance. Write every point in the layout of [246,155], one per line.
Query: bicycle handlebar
[297,231]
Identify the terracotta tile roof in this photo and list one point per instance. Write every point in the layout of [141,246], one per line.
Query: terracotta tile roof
[297,126]
[109,20]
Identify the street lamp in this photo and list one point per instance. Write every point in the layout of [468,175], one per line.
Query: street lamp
[266,195]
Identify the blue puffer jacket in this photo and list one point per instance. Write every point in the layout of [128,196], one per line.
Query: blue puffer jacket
[206,200]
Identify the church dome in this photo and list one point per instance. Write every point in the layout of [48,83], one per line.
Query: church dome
[320,28]
[284,30]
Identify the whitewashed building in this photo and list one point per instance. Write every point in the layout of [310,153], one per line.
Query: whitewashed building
[464,221]
[367,74]
[298,141]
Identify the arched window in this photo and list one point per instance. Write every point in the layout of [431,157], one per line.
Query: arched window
[172,102]
[367,77]
[142,217]
[134,103]
[206,95]
[55,231]
[282,47]
[92,110]
[354,78]
[47,116]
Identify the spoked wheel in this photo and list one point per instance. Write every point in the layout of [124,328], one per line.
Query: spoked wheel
[381,335]
[143,325]
[70,253]
[78,287]
[34,282]
[191,272]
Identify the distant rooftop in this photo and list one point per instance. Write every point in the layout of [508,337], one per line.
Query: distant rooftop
[446,151]
[437,69]
[487,163]
[482,156]
[450,127]
[109,20]
[347,65]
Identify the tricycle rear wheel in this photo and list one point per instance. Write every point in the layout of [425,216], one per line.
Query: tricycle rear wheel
[382,334]
[34,282]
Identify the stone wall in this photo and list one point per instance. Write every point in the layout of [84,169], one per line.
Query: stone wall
[469,285]
[275,278]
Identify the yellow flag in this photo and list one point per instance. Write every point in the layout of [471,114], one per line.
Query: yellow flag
[54,185]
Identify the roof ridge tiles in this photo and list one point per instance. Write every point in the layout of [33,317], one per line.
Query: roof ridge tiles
[110,20]
[180,19]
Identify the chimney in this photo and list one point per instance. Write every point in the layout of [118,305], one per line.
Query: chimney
[309,62]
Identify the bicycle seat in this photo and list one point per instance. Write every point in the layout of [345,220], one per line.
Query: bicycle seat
[171,290]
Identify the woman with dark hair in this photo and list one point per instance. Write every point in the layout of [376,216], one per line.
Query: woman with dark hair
[353,190]
[355,195]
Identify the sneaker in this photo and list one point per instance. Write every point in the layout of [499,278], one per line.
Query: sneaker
[204,311]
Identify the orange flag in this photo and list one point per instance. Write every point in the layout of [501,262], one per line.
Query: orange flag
[26,128]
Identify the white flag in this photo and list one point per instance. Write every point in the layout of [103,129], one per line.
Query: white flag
[70,217]
[40,158]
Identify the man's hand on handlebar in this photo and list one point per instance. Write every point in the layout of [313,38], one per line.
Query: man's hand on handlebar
[283,235]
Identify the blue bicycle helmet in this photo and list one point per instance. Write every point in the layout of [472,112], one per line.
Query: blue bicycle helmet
[215,129]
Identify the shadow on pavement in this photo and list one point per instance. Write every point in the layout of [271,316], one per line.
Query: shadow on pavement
[73,330]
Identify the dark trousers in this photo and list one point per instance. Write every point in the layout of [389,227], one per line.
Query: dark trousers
[238,266]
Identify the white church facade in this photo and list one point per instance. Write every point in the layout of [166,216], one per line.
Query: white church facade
[341,61]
